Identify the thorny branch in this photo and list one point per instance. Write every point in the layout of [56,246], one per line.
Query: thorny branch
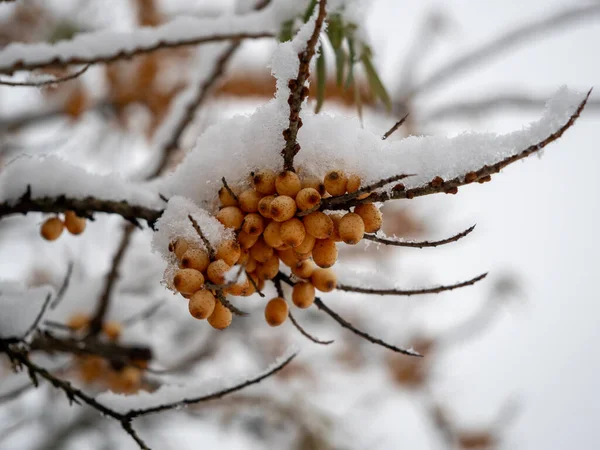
[49,82]
[394,128]
[418,244]
[298,92]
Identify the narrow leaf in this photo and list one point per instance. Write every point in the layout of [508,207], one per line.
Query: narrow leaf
[287,31]
[321,80]
[309,10]
[340,64]
[375,83]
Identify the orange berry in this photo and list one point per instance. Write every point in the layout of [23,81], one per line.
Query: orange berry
[288,183]
[264,181]
[78,321]
[91,368]
[74,223]
[264,206]
[282,208]
[249,200]
[126,381]
[307,244]
[229,251]
[324,280]
[239,288]
[246,240]
[351,228]
[318,224]
[202,304]
[315,184]
[231,217]
[276,311]
[272,234]
[292,232]
[195,258]
[216,271]
[353,183]
[261,251]
[226,198]
[244,257]
[370,215]
[112,329]
[251,265]
[269,269]
[52,228]
[303,269]
[335,182]
[307,198]
[324,253]
[220,317]
[180,246]
[302,256]
[188,281]
[336,218]
[254,224]
[303,294]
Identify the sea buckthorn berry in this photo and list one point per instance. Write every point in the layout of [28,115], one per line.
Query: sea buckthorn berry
[264,181]
[239,287]
[318,224]
[264,206]
[52,228]
[246,240]
[180,246]
[335,182]
[91,368]
[249,200]
[220,317]
[244,257]
[288,257]
[336,218]
[188,281]
[231,217]
[288,183]
[226,198]
[325,253]
[261,251]
[353,183]
[282,208]
[283,246]
[229,251]
[202,304]
[307,198]
[370,215]
[307,244]
[74,223]
[315,184]
[303,256]
[276,311]
[351,228]
[195,258]
[112,329]
[303,294]
[269,268]
[303,269]
[292,232]
[324,280]
[251,265]
[216,271]
[78,321]
[254,224]
[126,381]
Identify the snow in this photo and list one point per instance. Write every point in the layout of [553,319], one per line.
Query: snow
[20,307]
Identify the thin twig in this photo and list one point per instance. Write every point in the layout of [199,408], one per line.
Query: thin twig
[142,315]
[418,244]
[226,186]
[45,82]
[36,322]
[207,244]
[409,292]
[306,333]
[394,128]
[254,285]
[298,92]
[227,304]
[63,287]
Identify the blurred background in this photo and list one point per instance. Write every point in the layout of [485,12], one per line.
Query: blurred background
[509,363]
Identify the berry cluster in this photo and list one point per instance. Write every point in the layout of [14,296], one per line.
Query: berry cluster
[95,369]
[53,227]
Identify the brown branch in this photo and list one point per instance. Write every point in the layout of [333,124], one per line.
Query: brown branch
[227,304]
[409,292]
[37,320]
[45,82]
[228,189]
[418,244]
[63,287]
[394,128]
[209,247]
[254,285]
[305,333]
[298,92]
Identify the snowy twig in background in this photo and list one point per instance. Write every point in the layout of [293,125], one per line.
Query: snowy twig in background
[63,287]
[37,320]
[417,244]
[298,91]
[49,81]
[305,333]
[394,128]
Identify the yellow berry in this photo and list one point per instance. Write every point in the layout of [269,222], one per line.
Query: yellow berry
[336,218]
[74,223]
[272,234]
[307,244]
[226,198]
[231,217]
[307,198]
[180,247]
[246,240]
[315,184]
[324,280]
[335,182]
[188,281]
[318,224]
[303,269]
[249,200]
[229,251]
[351,228]
[78,321]
[254,224]
[53,227]
[261,251]
[303,294]
[264,206]
[220,317]
[264,181]
[195,258]
[282,208]
[288,183]
[112,329]
[324,253]
[288,257]
[269,269]
[276,311]
[353,183]
[292,232]
[216,271]
[370,215]
[202,304]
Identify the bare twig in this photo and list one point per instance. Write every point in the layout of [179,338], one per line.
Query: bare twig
[298,92]
[227,304]
[63,287]
[254,285]
[207,244]
[394,128]
[306,333]
[42,83]
[36,322]
[228,189]
[142,315]
[418,244]
[409,292]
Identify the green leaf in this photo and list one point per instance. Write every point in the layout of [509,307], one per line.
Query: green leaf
[309,10]
[335,31]
[375,83]
[350,78]
[287,31]
[340,64]
[358,101]
[321,80]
